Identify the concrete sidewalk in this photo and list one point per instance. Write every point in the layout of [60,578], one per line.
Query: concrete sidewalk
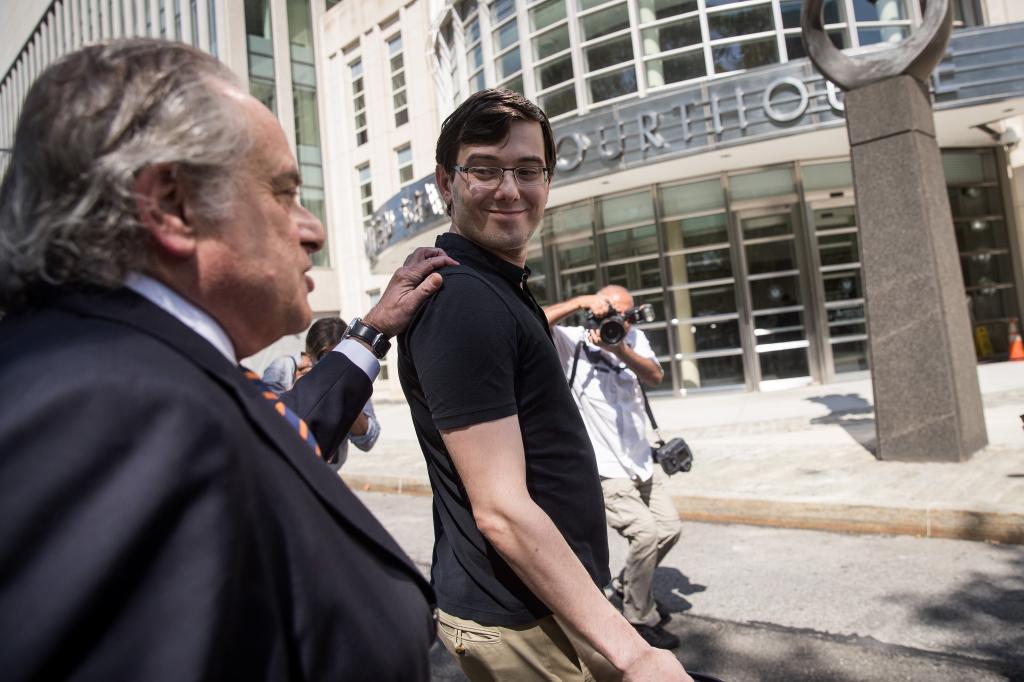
[799,458]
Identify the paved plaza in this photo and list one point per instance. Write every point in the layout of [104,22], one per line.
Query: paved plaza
[799,458]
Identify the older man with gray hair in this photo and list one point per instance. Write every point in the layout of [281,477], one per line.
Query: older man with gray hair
[165,516]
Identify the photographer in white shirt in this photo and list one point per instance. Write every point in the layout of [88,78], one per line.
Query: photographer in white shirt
[606,385]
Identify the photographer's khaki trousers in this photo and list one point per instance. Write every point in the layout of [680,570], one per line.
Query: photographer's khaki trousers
[643,513]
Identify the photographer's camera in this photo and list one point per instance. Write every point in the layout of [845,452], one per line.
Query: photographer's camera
[611,326]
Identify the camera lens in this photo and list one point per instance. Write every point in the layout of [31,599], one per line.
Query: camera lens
[612,331]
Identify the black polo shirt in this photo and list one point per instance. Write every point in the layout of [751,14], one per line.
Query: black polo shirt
[478,351]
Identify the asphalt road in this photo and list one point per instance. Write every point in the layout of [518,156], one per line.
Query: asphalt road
[754,603]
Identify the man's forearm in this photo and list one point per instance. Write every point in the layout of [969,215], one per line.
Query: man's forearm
[531,544]
[646,370]
[491,463]
[556,312]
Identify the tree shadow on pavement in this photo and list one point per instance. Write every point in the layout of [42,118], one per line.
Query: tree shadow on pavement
[986,611]
[854,414]
[735,652]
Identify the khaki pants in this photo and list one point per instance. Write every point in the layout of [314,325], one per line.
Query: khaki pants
[643,513]
[542,650]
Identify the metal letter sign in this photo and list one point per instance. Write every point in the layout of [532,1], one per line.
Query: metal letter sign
[568,163]
[785,116]
[639,130]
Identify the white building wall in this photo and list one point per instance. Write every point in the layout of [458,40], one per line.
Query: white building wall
[1002,11]
[360,30]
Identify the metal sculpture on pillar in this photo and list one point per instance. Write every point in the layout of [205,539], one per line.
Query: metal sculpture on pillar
[923,368]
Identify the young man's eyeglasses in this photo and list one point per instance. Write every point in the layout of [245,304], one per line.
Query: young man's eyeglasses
[489,177]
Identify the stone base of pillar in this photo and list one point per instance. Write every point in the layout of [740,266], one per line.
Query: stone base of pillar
[923,367]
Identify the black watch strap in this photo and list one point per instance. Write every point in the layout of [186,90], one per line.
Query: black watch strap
[376,339]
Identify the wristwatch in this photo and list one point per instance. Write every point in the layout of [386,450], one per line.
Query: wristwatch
[376,339]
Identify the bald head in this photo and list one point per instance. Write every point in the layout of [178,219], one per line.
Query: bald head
[619,297]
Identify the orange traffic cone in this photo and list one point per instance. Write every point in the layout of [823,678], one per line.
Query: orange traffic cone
[1016,347]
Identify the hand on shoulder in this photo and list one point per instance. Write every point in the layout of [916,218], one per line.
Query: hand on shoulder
[410,286]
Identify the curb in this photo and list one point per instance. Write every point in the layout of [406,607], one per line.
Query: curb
[979,526]
[953,524]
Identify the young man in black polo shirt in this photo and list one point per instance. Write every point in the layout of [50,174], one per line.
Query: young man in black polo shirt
[520,545]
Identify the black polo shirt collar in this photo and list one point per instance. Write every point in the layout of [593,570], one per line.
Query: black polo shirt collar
[470,253]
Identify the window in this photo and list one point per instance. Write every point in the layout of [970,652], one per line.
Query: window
[307,118]
[505,42]
[474,53]
[404,155]
[260,50]
[742,38]
[672,41]
[554,67]
[358,101]
[966,13]
[448,60]
[881,21]
[608,45]
[365,191]
[398,92]
[983,238]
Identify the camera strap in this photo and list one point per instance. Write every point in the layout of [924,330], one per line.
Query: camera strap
[594,357]
[647,404]
[650,414]
[575,362]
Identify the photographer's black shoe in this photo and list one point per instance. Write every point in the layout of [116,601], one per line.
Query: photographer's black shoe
[657,636]
[613,591]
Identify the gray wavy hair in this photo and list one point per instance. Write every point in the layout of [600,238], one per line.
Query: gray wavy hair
[89,124]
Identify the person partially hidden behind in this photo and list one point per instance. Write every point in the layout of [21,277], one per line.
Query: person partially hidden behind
[281,374]
[322,337]
[164,518]
[606,382]
[521,547]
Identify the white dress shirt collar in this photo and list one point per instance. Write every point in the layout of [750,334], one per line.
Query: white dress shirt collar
[184,311]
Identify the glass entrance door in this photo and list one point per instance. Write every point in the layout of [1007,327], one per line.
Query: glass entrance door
[843,325]
[775,296]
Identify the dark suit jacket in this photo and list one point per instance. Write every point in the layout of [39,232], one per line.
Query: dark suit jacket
[159,521]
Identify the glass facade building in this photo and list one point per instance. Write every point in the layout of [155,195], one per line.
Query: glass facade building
[755,275]
[702,161]
[753,266]
[573,55]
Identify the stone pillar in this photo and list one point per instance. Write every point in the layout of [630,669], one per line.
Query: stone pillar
[923,367]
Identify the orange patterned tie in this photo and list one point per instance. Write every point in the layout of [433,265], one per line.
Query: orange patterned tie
[300,426]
